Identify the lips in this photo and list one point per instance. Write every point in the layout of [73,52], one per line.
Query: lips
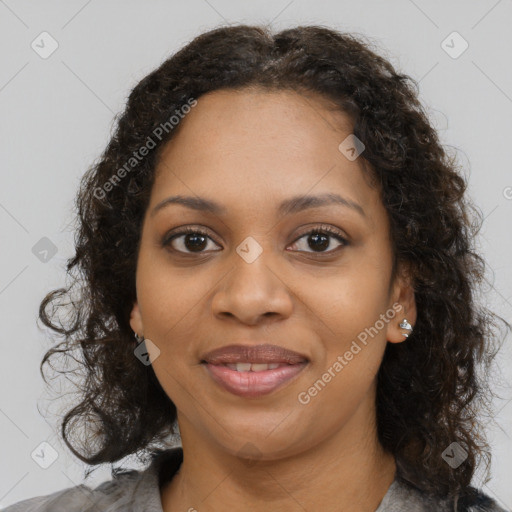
[263,354]
[253,371]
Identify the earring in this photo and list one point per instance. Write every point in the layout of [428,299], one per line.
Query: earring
[404,324]
[138,338]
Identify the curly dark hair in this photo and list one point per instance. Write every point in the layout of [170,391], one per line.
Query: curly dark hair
[430,390]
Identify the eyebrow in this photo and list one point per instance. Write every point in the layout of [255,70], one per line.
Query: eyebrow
[287,207]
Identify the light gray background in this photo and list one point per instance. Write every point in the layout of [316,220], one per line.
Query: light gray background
[56,116]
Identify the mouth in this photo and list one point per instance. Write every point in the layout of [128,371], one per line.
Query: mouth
[253,371]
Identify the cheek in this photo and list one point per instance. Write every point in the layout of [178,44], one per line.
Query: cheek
[350,300]
[169,297]
[171,323]
[335,402]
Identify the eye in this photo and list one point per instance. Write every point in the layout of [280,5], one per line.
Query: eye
[318,239]
[194,241]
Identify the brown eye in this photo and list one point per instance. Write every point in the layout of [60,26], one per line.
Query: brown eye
[319,240]
[189,240]
[192,240]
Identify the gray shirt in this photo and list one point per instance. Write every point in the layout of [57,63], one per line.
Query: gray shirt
[139,491]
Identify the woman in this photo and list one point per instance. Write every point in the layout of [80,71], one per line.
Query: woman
[276,262]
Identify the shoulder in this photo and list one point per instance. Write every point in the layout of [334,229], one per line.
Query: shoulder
[127,491]
[403,496]
[475,500]
[81,498]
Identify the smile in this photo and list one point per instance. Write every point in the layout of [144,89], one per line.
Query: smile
[253,380]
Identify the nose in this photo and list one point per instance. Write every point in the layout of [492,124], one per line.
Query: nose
[253,290]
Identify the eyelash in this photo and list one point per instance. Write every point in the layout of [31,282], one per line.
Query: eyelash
[325,230]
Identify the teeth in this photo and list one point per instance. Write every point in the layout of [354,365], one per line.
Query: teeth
[255,367]
[259,367]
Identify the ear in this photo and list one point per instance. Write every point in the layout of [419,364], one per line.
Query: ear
[136,320]
[404,304]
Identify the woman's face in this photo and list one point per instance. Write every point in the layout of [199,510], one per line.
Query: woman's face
[258,276]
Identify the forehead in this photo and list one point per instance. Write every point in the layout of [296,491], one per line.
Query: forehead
[250,144]
[256,118]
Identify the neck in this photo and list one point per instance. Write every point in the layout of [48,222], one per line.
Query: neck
[347,472]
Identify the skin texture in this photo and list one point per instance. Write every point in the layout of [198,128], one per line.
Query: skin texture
[249,150]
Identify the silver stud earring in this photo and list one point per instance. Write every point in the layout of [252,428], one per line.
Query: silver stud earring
[404,324]
[138,338]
